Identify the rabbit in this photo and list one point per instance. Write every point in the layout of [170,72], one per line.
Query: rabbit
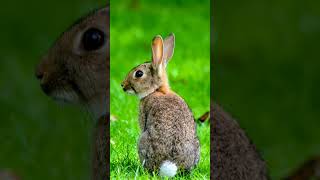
[310,169]
[234,156]
[76,70]
[168,140]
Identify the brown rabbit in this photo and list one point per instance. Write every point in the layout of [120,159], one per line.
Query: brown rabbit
[168,140]
[75,70]
[234,156]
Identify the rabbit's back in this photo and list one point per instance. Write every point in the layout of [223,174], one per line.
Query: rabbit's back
[234,155]
[168,131]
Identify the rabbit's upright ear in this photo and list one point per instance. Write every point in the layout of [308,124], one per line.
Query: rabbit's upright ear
[157,52]
[104,11]
[168,48]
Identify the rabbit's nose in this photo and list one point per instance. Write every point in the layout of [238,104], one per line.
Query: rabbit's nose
[41,71]
[39,75]
[123,86]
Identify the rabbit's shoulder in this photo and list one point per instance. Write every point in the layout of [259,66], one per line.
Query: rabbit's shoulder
[158,101]
[166,107]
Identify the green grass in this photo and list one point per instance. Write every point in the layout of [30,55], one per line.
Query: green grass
[131,33]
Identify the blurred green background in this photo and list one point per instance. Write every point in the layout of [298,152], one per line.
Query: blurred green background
[38,138]
[133,25]
[266,74]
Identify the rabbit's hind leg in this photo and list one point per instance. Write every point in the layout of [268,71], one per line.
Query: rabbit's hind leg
[145,151]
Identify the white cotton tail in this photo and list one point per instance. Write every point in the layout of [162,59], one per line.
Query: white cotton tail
[168,169]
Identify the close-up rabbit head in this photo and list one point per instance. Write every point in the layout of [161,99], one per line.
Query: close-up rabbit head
[74,70]
[150,76]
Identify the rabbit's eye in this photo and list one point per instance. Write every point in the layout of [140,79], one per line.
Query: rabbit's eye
[93,39]
[138,74]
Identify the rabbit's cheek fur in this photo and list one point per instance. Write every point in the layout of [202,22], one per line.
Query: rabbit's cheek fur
[144,87]
[59,86]
[146,84]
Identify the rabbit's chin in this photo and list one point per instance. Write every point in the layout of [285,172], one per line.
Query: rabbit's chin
[130,91]
[96,106]
[140,95]
[145,93]
[65,97]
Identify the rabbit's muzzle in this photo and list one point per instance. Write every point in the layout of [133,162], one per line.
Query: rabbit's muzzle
[126,87]
[42,75]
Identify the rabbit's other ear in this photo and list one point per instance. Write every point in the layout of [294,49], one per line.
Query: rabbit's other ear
[102,17]
[104,11]
[168,48]
[157,52]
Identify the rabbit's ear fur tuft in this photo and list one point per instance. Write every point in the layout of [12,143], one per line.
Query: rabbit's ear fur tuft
[162,51]
[157,53]
[104,11]
[168,48]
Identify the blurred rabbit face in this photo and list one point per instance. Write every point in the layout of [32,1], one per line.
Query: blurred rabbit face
[75,69]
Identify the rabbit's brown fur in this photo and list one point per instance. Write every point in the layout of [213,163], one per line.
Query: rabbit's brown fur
[168,130]
[310,169]
[101,151]
[73,73]
[234,155]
